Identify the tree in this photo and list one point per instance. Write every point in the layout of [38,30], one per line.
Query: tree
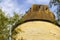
[6,24]
[56,3]
[13,21]
[3,26]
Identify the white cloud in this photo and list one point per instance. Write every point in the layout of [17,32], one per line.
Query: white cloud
[38,1]
[9,6]
[30,1]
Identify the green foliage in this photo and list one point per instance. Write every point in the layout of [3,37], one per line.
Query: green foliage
[3,26]
[6,23]
[14,19]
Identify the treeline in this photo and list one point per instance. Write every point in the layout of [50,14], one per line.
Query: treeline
[6,24]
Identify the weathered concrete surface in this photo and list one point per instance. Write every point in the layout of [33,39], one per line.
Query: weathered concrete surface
[37,30]
[39,12]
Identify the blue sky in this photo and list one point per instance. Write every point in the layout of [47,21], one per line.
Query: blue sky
[21,6]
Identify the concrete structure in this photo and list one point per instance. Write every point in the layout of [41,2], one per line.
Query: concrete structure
[37,29]
[39,12]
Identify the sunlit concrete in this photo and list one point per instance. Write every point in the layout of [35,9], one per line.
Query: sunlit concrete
[37,30]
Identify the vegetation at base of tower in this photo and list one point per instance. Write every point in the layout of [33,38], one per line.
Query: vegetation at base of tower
[5,24]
